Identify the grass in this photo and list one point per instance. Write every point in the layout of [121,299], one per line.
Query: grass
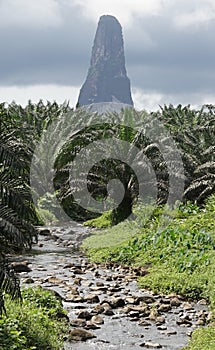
[203,338]
[102,242]
[102,221]
[178,244]
[33,324]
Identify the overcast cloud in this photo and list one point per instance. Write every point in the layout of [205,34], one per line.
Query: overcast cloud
[169,47]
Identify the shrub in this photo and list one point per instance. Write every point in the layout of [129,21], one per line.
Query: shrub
[32,324]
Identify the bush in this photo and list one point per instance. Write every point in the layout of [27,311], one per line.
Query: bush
[33,324]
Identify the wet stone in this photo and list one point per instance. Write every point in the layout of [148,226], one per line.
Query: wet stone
[90,325]
[28,280]
[80,335]
[162,328]
[173,332]
[164,308]
[97,319]
[160,320]
[92,298]
[78,322]
[150,345]
[187,306]
[99,309]
[175,302]
[74,299]
[85,315]
[116,302]
[21,266]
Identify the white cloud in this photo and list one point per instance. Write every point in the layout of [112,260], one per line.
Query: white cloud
[57,93]
[200,13]
[143,99]
[28,13]
[151,100]
[124,10]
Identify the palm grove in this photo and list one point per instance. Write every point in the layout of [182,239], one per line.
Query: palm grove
[21,128]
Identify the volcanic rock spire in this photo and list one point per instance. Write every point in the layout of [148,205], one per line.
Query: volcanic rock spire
[107,79]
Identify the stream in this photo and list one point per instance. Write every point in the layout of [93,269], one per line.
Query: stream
[105,307]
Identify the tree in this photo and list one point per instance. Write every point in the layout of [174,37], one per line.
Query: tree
[194,132]
[127,146]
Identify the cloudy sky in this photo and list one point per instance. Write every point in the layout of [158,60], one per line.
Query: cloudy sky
[169,48]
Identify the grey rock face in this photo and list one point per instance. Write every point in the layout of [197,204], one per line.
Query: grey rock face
[107,79]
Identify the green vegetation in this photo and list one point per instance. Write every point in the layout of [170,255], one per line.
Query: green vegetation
[177,245]
[105,220]
[33,324]
[26,325]
[203,339]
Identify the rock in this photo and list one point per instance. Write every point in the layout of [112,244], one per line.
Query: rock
[99,284]
[175,302]
[21,266]
[142,310]
[97,319]
[109,278]
[107,309]
[209,317]
[184,320]
[189,334]
[150,345]
[164,308]
[73,298]
[153,314]
[62,315]
[116,302]
[28,280]
[200,322]
[99,289]
[133,314]
[108,312]
[54,280]
[162,328]
[130,300]
[187,306]
[144,323]
[91,325]
[92,298]
[173,332]
[202,302]
[148,299]
[107,80]
[85,315]
[72,290]
[80,335]
[44,231]
[99,309]
[78,322]
[78,281]
[160,320]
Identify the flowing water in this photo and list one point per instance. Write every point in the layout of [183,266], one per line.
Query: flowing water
[57,264]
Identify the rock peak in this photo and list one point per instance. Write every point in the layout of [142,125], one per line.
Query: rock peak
[107,79]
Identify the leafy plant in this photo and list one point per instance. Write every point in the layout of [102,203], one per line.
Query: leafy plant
[33,324]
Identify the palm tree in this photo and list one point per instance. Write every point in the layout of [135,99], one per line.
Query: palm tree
[128,146]
[194,132]
[17,212]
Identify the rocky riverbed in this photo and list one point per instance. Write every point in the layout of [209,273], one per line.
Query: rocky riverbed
[106,309]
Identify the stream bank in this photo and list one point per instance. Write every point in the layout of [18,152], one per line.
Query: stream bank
[105,307]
